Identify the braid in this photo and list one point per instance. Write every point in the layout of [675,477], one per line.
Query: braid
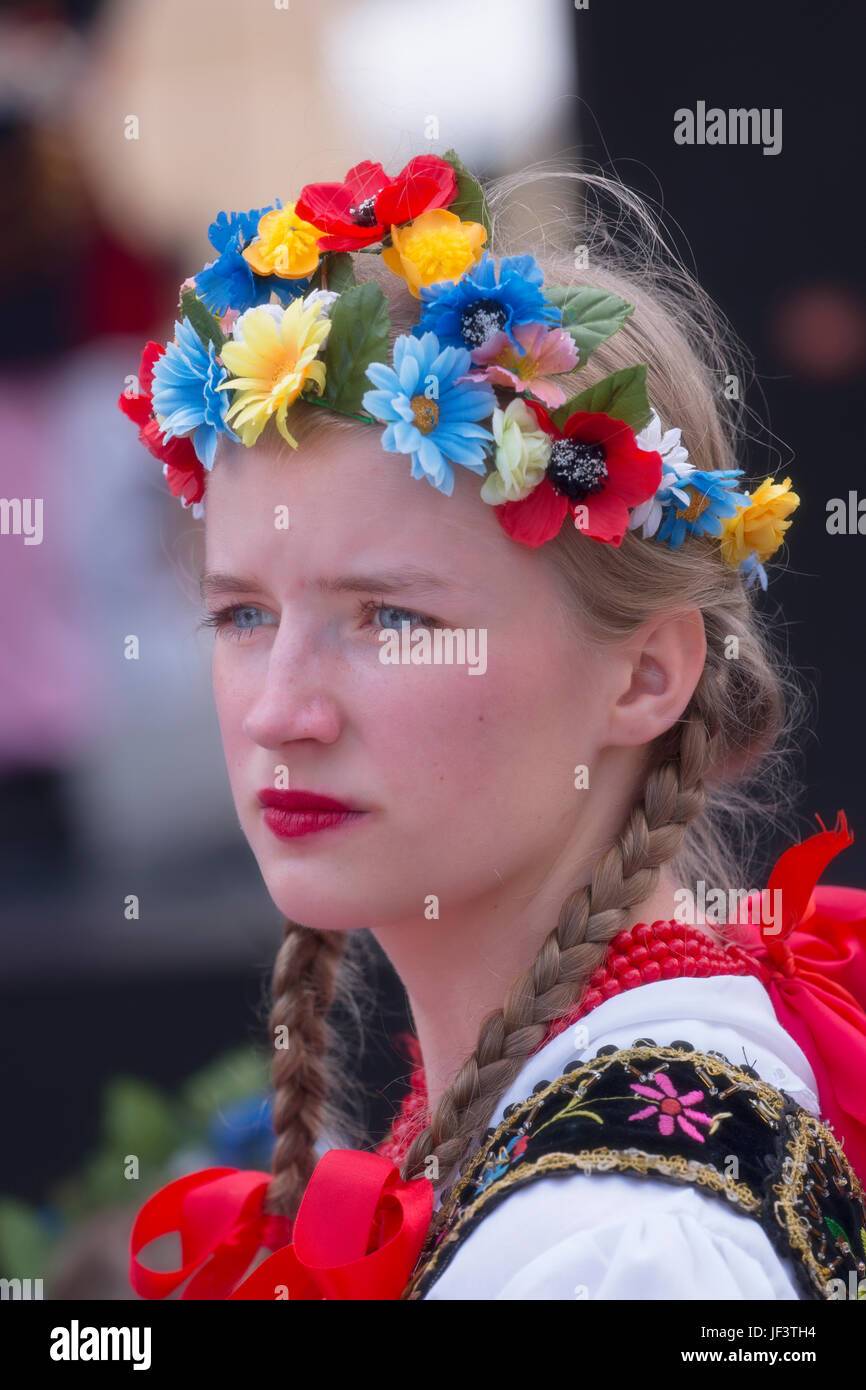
[589,919]
[302,988]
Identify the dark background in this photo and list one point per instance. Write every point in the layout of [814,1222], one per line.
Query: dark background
[778,242]
[769,233]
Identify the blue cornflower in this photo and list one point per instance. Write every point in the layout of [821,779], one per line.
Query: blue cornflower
[466,312]
[228,226]
[229,282]
[186,395]
[433,429]
[712,496]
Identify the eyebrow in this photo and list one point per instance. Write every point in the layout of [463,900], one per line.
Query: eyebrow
[389,581]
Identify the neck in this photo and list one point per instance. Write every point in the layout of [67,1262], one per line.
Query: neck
[458,969]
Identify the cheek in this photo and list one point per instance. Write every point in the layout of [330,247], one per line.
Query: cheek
[431,728]
[512,745]
[505,743]
[233,691]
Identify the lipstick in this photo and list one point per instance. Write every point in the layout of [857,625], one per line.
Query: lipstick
[289,814]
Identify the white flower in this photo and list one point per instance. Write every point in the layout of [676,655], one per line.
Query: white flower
[324,298]
[521,457]
[675,469]
[666,443]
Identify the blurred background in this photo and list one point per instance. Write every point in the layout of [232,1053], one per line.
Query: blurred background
[125,126]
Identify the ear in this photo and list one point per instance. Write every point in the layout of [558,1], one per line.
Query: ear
[662,664]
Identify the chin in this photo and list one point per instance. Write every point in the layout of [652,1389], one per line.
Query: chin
[319,910]
[321,895]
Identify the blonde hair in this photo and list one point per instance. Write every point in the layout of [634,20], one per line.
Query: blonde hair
[718,773]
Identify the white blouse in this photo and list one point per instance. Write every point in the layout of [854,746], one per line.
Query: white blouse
[608,1235]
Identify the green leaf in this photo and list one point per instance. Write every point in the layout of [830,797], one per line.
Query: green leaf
[589,315]
[202,320]
[24,1240]
[138,1119]
[358,336]
[837,1232]
[340,271]
[470,205]
[622,396]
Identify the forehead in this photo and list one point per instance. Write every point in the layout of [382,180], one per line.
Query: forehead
[347,500]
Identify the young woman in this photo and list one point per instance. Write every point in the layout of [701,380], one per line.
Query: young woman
[493,684]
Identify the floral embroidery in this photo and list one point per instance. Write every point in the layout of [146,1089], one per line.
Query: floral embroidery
[576,1106]
[670,1108]
[498,1164]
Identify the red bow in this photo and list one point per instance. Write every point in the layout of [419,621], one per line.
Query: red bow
[815,972]
[357,1234]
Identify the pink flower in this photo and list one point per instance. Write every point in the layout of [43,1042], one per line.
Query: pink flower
[547,351]
[670,1107]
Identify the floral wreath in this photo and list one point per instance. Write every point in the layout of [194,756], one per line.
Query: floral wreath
[277,315]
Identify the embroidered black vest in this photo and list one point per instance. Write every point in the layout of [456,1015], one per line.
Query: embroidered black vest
[683,1116]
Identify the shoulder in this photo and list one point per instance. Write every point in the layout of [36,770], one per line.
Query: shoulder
[579,1237]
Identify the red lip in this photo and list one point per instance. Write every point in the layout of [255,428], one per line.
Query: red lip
[302,801]
[289,814]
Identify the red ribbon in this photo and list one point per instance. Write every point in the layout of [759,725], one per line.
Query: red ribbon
[814,970]
[357,1234]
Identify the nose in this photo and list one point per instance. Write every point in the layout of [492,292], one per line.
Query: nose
[296,699]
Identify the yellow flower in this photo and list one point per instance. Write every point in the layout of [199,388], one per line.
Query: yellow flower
[271,362]
[760,526]
[522,454]
[436,246]
[286,245]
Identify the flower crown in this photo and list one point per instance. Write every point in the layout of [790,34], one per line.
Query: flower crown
[277,315]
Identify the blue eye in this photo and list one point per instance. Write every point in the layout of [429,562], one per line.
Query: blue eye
[395,616]
[247,616]
[238,619]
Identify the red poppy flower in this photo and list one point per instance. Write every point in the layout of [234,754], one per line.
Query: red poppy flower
[362,208]
[184,472]
[606,476]
[186,483]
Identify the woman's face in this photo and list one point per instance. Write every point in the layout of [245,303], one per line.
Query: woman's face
[466,782]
